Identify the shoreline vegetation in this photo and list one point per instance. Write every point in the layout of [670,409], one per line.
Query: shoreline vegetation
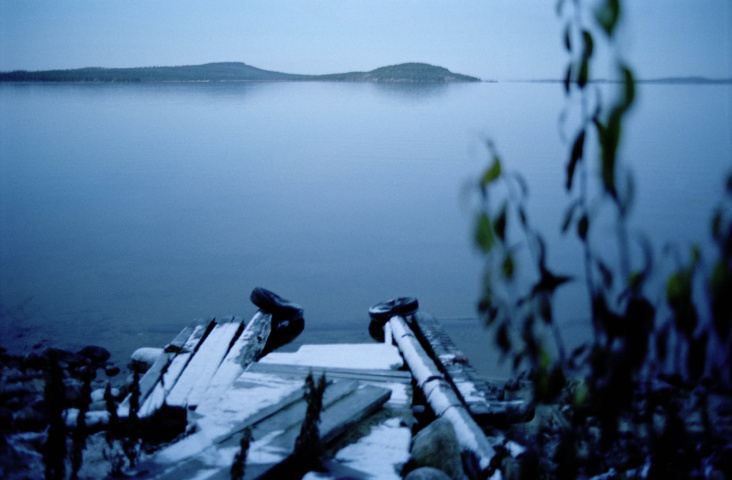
[236,72]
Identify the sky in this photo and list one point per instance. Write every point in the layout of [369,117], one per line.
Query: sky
[490,39]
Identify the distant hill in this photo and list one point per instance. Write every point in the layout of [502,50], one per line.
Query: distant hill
[235,72]
[405,72]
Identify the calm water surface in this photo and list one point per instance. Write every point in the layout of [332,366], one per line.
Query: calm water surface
[128,210]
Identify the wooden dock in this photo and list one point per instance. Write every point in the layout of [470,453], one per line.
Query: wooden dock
[216,381]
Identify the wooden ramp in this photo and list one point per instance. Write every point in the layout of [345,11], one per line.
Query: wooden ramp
[205,358]
[273,409]
[479,396]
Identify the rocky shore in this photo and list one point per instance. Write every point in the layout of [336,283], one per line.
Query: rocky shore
[25,406]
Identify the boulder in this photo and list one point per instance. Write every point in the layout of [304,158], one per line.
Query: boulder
[95,354]
[97,395]
[426,473]
[63,356]
[30,420]
[72,390]
[143,358]
[437,446]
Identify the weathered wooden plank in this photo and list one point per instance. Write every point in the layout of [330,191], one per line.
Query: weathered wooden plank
[273,436]
[479,396]
[193,334]
[398,381]
[175,367]
[336,417]
[380,454]
[181,342]
[200,369]
[398,376]
[439,393]
[246,349]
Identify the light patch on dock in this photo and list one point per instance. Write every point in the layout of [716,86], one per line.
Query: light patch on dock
[360,355]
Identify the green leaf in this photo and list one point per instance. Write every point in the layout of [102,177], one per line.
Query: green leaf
[678,288]
[569,215]
[610,139]
[584,74]
[502,338]
[607,15]
[607,274]
[679,296]
[629,85]
[522,217]
[589,44]
[508,267]
[582,227]
[568,37]
[499,225]
[521,181]
[635,280]
[578,149]
[717,224]
[484,233]
[492,174]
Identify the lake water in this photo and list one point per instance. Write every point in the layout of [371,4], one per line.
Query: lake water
[128,210]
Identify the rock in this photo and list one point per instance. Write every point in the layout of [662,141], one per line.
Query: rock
[30,420]
[145,357]
[97,395]
[72,390]
[426,473]
[95,354]
[437,446]
[33,360]
[63,356]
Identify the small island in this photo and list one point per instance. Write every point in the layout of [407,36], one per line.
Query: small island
[236,72]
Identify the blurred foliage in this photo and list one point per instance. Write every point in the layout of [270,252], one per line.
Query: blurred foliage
[627,390]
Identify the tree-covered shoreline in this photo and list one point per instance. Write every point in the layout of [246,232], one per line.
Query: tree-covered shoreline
[235,72]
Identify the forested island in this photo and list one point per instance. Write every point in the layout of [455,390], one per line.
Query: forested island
[236,72]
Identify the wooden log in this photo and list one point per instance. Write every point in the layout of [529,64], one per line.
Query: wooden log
[439,393]
[191,384]
[479,396]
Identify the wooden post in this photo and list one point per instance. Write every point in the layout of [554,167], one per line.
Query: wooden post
[439,393]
